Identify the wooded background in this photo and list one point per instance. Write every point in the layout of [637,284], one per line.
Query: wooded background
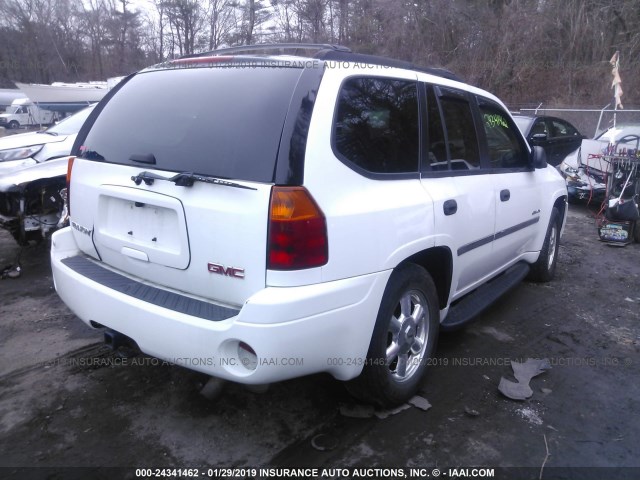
[525,51]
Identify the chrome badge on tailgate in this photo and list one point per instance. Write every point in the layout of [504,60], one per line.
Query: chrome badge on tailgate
[226,271]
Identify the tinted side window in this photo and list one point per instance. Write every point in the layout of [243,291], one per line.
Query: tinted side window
[461,132]
[562,129]
[540,127]
[506,149]
[376,126]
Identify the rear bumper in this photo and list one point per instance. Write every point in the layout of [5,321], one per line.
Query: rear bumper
[294,331]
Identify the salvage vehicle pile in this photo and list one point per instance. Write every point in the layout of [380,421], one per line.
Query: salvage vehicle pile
[607,171]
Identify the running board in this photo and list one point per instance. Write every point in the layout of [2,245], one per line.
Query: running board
[480,299]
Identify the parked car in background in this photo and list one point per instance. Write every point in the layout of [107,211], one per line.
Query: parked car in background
[557,137]
[33,169]
[585,170]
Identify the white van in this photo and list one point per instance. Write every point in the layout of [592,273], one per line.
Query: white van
[24,113]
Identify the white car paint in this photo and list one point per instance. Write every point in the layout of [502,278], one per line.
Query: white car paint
[50,169]
[54,142]
[323,315]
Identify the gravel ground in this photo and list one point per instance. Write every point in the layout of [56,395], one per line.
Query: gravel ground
[67,401]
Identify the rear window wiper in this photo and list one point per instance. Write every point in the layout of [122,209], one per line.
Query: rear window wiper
[185,179]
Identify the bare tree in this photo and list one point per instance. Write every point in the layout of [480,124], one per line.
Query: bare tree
[524,50]
[313,13]
[253,14]
[221,20]
[186,21]
[251,22]
[285,17]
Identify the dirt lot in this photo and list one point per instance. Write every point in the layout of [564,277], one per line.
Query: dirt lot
[67,401]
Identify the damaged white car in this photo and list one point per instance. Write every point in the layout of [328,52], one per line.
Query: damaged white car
[33,169]
[31,200]
[585,170]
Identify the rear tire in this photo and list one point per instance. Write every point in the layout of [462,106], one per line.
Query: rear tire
[545,268]
[404,339]
[636,234]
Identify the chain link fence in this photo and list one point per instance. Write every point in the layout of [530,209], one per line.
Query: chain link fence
[588,120]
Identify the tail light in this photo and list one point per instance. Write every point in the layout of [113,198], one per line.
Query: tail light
[69,168]
[297,231]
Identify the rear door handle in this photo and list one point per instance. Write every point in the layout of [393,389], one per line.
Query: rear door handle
[505,195]
[450,207]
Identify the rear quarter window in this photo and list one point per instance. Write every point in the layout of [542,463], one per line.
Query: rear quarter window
[376,125]
[224,122]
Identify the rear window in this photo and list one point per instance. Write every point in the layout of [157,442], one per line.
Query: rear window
[224,122]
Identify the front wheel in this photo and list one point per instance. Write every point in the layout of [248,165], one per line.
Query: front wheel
[404,339]
[14,124]
[545,268]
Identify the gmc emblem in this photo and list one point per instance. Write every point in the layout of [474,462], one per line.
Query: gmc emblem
[226,271]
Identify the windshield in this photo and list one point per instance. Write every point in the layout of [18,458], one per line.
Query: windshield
[72,124]
[12,109]
[222,122]
[523,124]
[615,133]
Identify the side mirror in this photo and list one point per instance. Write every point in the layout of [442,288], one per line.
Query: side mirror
[538,157]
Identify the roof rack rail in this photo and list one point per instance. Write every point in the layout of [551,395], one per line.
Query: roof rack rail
[328,51]
[340,55]
[271,46]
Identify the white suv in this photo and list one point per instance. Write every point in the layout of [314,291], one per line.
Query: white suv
[263,217]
